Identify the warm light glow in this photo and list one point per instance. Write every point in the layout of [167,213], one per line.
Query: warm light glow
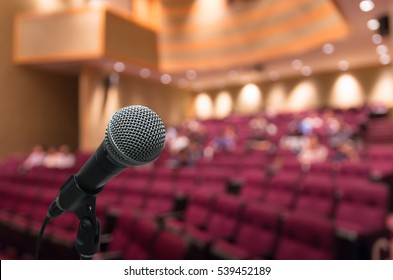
[276,99]
[373,24]
[366,5]
[377,39]
[96,3]
[223,105]
[306,71]
[191,74]
[203,106]
[119,67]
[249,99]
[385,59]
[382,49]
[49,5]
[382,92]
[145,73]
[346,93]
[297,64]
[303,97]
[328,48]
[166,79]
[211,10]
[112,102]
[343,65]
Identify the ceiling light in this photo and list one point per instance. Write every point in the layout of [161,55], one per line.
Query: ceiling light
[297,64]
[328,48]
[306,71]
[119,67]
[145,73]
[343,65]
[191,74]
[366,5]
[377,39]
[166,79]
[385,59]
[373,24]
[382,49]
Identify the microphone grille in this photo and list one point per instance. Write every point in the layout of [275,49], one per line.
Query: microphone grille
[135,135]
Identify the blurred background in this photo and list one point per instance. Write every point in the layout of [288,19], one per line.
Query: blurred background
[277,113]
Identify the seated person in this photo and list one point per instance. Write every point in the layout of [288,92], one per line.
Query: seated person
[225,140]
[50,160]
[346,151]
[260,130]
[36,158]
[312,152]
[65,159]
[309,124]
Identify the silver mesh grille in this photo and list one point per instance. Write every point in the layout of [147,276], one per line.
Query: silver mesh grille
[135,135]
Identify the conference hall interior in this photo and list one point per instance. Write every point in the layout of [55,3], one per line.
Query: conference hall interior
[278,127]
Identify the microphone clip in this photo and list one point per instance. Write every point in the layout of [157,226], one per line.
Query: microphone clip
[83,205]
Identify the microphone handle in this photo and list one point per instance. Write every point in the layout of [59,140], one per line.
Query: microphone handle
[98,170]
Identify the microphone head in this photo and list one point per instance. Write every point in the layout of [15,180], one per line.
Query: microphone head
[135,135]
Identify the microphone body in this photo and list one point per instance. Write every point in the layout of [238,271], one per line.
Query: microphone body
[98,169]
[135,135]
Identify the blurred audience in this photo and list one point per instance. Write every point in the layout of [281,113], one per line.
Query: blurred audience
[52,158]
[310,123]
[312,152]
[341,133]
[260,130]
[225,140]
[346,151]
[35,158]
[65,159]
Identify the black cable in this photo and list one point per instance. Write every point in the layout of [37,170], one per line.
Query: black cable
[40,236]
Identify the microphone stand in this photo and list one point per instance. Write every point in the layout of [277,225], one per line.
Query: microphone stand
[83,205]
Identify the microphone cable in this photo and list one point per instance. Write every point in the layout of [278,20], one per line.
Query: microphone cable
[40,236]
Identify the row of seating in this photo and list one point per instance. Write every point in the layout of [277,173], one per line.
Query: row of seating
[261,233]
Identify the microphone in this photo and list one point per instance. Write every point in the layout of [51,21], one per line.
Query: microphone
[135,135]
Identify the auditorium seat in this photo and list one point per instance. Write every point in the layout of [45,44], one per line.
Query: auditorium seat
[316,195]
[253,175]
[196,214]
[223,221]
[282,189]
[187,174]
[326,168]
[159,198]
[256,237]
[253,160]
[306,237]
[211,174]
[140,241]
[363,206]
[358,169]
[168,245]
[186,186]
[133,198]
[381,160]
[120,237]
[252,191]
